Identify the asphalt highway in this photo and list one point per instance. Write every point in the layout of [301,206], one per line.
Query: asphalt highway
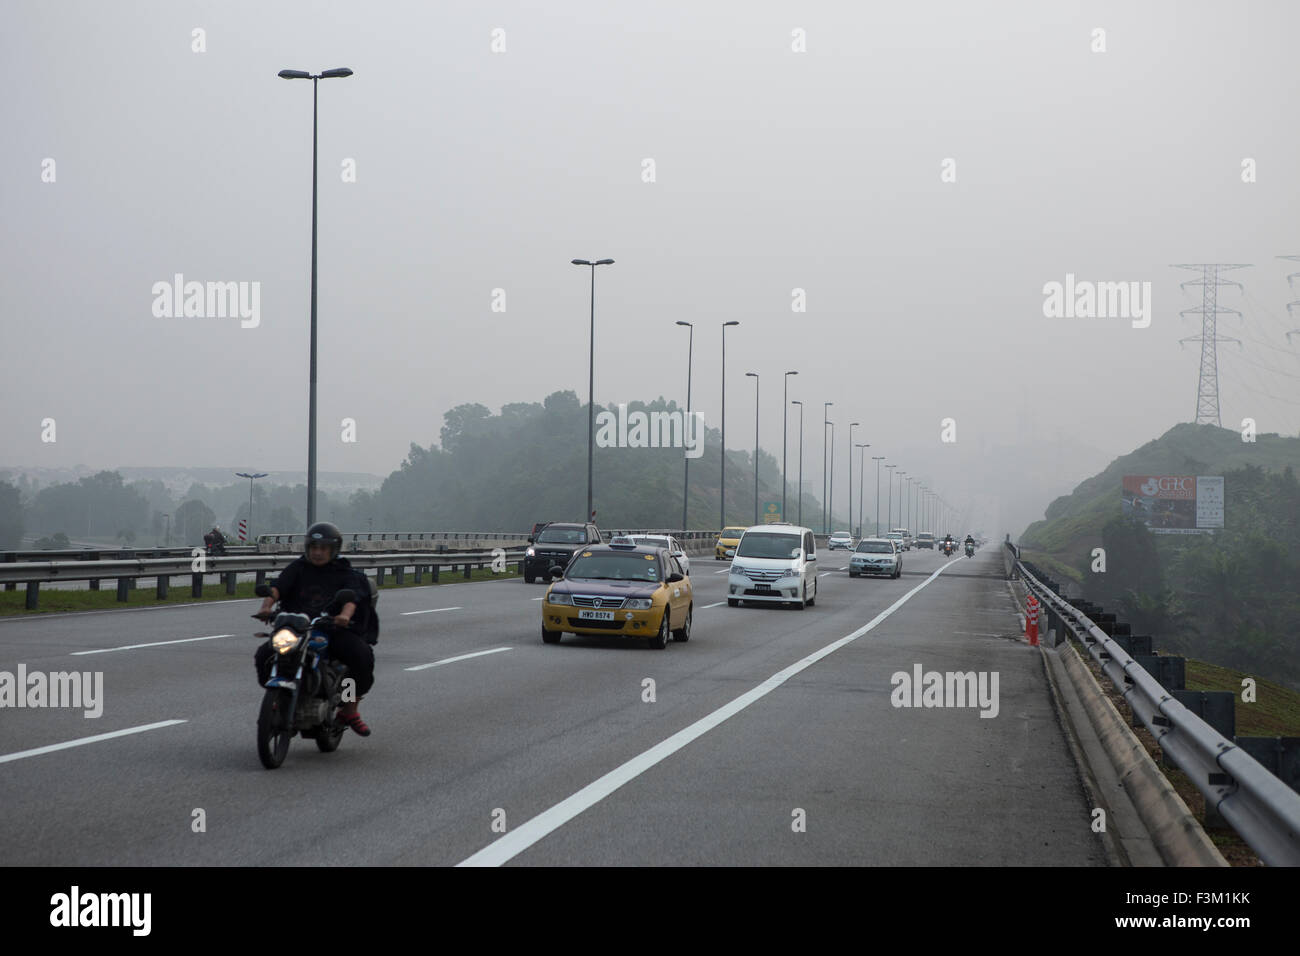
[771,737]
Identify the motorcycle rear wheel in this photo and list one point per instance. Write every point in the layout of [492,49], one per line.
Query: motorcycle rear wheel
[274,728]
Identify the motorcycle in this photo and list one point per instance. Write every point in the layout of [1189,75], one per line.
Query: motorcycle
[970,550]
[305,687]
[948,548]
[213,546]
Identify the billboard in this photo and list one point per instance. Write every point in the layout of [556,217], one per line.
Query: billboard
[1175,504]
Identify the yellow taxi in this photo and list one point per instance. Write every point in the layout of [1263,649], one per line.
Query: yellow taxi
[627,590]
[727,542]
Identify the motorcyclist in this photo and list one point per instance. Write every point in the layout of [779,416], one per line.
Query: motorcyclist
[948,542]
[214,539]
[308,586]
[970,540]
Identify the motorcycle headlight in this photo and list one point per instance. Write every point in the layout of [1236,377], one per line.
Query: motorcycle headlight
[638,604]
[284,641]
[559,598]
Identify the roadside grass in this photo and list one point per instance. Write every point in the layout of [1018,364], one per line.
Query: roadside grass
[12,603]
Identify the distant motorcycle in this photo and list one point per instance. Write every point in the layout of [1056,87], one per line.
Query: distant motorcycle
[970,549]
[948,548]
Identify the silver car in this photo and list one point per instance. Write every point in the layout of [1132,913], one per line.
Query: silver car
[665,541]
[876,556]
[840,539]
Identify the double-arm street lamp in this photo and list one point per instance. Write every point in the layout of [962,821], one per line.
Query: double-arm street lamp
[591,379]
[785,407]
[722,458]
[754,375]
[240,474]
[686,482]
[311,405]
[795,401]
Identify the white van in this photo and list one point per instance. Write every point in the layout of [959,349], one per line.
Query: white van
[774,564]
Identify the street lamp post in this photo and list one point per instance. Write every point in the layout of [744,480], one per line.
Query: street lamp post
[825,421]
[852,425]
[889,504]
[795,401]
[722,458]
[877,459]
[686,481]
[311,411]
[168,542]
[907,522]
[240,474]
[900,475]
[785,407]
[591,379]
[862,460]
[754,375]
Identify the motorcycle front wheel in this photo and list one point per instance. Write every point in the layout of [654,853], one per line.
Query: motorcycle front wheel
[327,741]
[274,728]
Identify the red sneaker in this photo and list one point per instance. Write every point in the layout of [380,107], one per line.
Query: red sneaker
[356,723]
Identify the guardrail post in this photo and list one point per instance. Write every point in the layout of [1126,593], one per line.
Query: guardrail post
[33,591]
[261,578]
[1279,755]
[468,567]
[379,577]
[122,588]
[399,574]
[11,585]
[521,567]
[94,582]
[196,585]
[419,573]
[433,573]
[160,591]
[230,582]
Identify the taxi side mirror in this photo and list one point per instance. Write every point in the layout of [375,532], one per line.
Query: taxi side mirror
[556,572]
[674,578]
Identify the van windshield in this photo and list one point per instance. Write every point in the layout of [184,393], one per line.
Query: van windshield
[765,544]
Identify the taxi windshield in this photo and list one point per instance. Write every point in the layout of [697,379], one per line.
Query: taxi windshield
[613,566]
[563,536]
[731,532]
[764,544]
[875,547]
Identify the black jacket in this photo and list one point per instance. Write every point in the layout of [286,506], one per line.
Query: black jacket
[307,589]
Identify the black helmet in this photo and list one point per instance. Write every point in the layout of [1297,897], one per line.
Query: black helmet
[326,532]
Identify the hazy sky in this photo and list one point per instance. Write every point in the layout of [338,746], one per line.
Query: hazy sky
[774,170]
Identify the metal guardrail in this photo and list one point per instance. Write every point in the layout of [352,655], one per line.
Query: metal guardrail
[1263,810]
[35,573]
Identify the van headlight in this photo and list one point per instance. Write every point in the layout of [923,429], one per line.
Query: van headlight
[791,573]
[284,641]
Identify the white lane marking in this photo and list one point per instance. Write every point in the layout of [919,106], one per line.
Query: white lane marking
[132,647]
[537,599]
[461,657]
[723,571]
[824,573]
[5,758]
[707,606]
[433,610]
[546,822]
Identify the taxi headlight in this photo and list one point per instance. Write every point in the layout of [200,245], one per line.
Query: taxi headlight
[639,604]
[566,599]
[284,641]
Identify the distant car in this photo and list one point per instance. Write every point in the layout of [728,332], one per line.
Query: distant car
[906,537]
[619,590]
[840,539]
[876,556]
[925,539]
[726,545]
[668,542]
[555,546]
[897,538]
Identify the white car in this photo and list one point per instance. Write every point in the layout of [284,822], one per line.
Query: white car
[906,544]
[665,541]
[840,539]
[876,556]
[774,564]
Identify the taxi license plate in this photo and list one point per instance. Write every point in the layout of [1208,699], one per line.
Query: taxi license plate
[588,615]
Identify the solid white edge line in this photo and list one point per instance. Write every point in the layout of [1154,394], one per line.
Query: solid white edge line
[132,647]
[432,610]
[707,606]
[5,758]
[451,660]
[548,821]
